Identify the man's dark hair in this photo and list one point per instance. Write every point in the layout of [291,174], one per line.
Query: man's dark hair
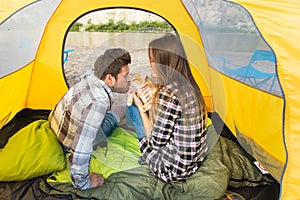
[111,62]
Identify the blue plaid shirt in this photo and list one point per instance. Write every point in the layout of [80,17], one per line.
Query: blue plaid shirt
[76,120]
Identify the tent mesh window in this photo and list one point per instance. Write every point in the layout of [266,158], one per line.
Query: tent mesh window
[234,45]
[20,35]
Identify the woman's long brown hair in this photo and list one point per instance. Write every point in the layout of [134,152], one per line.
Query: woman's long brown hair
[168,54]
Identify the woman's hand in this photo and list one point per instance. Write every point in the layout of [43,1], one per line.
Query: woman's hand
[145,94]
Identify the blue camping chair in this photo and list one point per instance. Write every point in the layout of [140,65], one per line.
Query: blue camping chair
[249,74]
[66,54]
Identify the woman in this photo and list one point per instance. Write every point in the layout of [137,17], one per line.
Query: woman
[172,135]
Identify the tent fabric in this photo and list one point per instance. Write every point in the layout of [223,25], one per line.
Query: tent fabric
[36,79]
[8,7]
[280,31]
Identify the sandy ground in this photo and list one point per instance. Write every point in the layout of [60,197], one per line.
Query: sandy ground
[83,59]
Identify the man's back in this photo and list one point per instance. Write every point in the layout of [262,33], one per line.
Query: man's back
[71,113]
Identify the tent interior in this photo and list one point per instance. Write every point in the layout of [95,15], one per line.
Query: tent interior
[237,53]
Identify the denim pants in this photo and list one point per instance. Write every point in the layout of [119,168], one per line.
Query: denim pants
[110,122]
[129,121]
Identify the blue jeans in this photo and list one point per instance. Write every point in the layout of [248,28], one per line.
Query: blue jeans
[109,123]
[134,119]
[129,121]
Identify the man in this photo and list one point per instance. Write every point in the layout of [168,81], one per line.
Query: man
[84,113]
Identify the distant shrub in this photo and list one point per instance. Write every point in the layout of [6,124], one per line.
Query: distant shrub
[76,27]
[121,26]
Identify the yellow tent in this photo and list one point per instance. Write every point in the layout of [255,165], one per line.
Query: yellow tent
[265,121]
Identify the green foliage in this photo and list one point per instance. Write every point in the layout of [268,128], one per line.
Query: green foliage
[76,26]
[121,26]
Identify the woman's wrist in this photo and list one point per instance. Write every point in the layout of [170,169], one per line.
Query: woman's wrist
[142,109]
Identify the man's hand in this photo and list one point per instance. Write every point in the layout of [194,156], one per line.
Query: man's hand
[96,180]
[145,94]
[137,101]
